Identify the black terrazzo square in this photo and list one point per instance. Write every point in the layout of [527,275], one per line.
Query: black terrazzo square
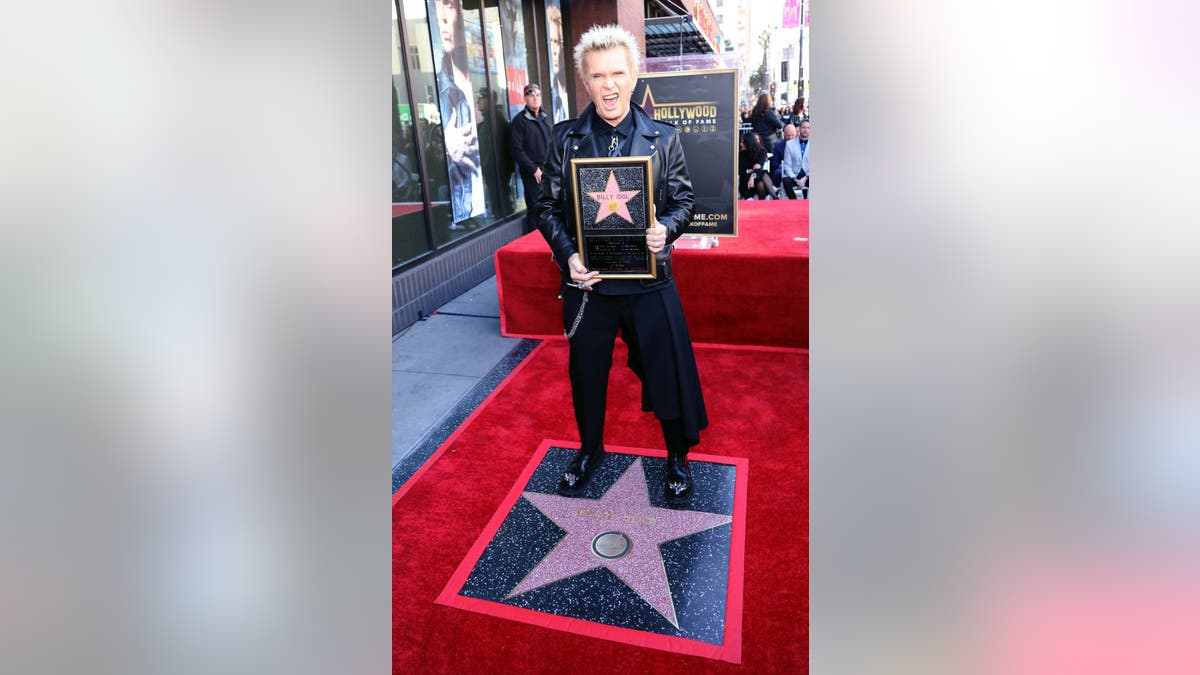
[617,555]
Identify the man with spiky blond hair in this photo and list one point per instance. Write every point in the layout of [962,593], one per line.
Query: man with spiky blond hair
[647,311]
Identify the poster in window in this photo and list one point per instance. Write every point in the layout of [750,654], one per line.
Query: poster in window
[457,102]
[558,66]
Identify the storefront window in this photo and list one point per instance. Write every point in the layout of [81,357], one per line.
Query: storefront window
[409,236]
[518,55]
[485,129]
[497,60]
[422,65]
[462,95]
[516,58]
[464,64]
[558,66]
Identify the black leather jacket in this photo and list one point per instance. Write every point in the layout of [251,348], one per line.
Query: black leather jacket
[530,139]
[673,196]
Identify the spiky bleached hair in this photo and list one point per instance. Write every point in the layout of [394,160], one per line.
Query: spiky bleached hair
[606,37]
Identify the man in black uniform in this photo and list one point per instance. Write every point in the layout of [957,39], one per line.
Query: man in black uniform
[530,133]
[647,311]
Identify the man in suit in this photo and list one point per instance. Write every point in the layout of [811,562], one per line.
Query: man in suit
[647,311]
[795,163]
[530,140]
[789,132]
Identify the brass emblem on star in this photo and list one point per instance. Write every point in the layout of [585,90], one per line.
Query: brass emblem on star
[611,545]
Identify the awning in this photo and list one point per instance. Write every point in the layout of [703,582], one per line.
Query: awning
[665,35]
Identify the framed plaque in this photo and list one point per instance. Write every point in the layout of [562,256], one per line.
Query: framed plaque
[613,208]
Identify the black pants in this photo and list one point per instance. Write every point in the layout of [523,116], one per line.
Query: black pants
[670,387]
[532,190]
[789,186]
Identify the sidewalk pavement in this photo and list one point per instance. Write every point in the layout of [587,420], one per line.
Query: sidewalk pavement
[442,367]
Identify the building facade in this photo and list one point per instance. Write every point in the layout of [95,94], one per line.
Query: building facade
[783,25]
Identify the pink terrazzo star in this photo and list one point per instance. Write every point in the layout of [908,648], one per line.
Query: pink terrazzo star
[612,200]
[620,531]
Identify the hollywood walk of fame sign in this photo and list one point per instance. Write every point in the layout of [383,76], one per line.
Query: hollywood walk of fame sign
[703,106]
[613,205]
[616,562]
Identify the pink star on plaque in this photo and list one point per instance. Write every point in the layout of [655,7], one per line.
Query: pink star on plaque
[613,200]
[620,531]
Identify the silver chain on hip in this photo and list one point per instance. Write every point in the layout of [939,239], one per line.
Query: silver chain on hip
[578,317]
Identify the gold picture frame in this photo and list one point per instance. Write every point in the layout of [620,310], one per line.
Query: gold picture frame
[613,201]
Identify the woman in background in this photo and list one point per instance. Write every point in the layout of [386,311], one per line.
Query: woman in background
[764,120]
[753,178]
[799,111]
[785,114]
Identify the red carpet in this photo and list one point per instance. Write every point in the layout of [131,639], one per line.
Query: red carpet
[440,512]
[750,290]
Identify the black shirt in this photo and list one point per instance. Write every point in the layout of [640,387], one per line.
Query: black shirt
[603,133]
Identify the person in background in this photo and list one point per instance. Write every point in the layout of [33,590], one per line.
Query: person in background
[753,178]
[647,312]
[764,120]
[799,110]
[530,136]
[785,114]
[795,163]
[789,132]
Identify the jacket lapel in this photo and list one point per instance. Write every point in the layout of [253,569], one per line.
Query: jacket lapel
[645,139]
[580,138]
[645,142]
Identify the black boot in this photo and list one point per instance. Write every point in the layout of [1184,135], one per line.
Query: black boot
[579,471]
[677,482]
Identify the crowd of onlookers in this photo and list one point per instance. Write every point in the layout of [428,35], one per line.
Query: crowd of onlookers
[773,162]
[787,114]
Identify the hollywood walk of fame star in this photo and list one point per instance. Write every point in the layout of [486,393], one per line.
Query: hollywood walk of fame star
[613,200]
[620,531]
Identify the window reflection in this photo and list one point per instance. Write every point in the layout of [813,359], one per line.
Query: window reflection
[484,131]
[409,236]
[517,58]
[428,118]
[461,123]
[497,58]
